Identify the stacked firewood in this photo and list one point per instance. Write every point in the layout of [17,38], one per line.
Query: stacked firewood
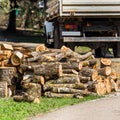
[35,70]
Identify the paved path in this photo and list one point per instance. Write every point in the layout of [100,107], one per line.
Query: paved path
[103,109]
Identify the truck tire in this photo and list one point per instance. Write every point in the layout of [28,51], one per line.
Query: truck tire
[116,50]
[57,41]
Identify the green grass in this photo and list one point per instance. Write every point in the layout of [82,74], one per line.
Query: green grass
[11,110]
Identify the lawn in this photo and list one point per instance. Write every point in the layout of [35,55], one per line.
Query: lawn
[11,110]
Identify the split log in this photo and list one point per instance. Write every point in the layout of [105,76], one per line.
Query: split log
[5,46]
[68,79]
[88,72]
[71,54]
[49,87]
[16,58]
[105,62]
[104,71]
[56,95]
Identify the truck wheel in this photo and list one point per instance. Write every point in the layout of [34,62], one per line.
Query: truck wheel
[116,50]
[57,41]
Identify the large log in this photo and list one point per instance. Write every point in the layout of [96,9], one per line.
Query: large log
[49,87]
[50,69]
[88,72]
[108,85]
[105,62]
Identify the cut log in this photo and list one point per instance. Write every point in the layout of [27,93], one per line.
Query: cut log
[67,90]
[49,87]
[56,95]
[88,72]
[68,79]
[90,63]
[104,71]
[7,53]
[105,62]
[84,79]
[32,91]
[16,58]
[51,69]
[101,88]
[71,54]
[8,74]
[18,98]
[40,48]
[72,65]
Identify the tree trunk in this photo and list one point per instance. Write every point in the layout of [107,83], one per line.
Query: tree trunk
[12,17]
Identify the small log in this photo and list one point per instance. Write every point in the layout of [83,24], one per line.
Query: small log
[106,71]
[72,54]
[7,53]
[49,87]
[56,95]
[88,72]
[101,88]
[18,98]
[84,79]
[5,46]
[90,63]
[69,71]
[91,86]
[16,58]
[105,62]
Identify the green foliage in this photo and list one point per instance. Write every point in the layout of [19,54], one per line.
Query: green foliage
[11,110]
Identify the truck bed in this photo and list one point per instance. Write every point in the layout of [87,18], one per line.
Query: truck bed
[83,8]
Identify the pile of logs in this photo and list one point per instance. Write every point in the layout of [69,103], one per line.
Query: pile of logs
[27,72]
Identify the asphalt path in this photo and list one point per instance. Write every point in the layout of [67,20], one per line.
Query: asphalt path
[107,108]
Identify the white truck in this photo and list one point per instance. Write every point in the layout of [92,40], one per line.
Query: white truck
[92,23]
